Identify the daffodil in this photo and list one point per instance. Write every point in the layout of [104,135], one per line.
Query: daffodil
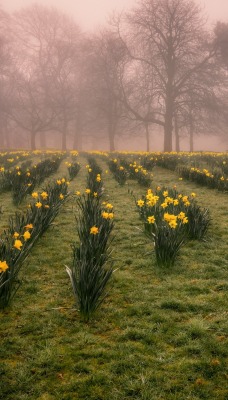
[94,230]
[29,226]
[151,219]
[18,244]
[3,266]
[35,195]
[140,203]
[38,204]
[15,235]
[77,193]
[27,235]
[173,224]
[87,191]
[181,215]
[44,195]
[105,214]
[61,196]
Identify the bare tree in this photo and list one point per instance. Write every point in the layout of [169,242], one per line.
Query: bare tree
[6,67]
[221,42]
[47,41]
[168,36]
[104,64]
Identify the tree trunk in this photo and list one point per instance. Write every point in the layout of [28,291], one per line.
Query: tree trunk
[43,143]
[7,137]
[77,143]
[64,136]
[191,134]
[169,99]
[177,137]
[77,140]
[191,140]
[111,142]
[111,136]
[64,132]
[168,127]
[168,134]
[147,137]
[33,140]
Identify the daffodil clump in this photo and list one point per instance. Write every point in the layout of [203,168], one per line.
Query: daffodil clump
[119,172]
[73,169]
[138,172]
[14,248]
[94,179]
[91,270]
[169,219]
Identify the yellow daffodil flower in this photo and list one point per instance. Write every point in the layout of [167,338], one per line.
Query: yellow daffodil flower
[3,266]
[44,195]
[18,244]
[140,203]
[27,235]
[29,226]
[94,230]
[151,219]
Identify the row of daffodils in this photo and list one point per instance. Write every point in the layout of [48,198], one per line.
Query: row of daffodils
[206,169]
[23,231]
[122,170]
[91,267]
[22,179]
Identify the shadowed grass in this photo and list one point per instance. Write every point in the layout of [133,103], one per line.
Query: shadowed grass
[158,335]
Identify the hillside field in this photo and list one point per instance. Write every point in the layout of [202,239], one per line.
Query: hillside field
[159,334]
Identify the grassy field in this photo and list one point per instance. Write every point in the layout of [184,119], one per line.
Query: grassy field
[160,334]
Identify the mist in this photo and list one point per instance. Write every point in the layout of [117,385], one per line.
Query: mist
[115,87]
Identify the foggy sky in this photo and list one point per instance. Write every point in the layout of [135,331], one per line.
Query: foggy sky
[90,14]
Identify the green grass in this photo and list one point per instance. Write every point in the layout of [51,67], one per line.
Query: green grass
[159,334]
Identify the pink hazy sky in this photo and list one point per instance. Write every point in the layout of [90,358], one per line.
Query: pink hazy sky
[92,13]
